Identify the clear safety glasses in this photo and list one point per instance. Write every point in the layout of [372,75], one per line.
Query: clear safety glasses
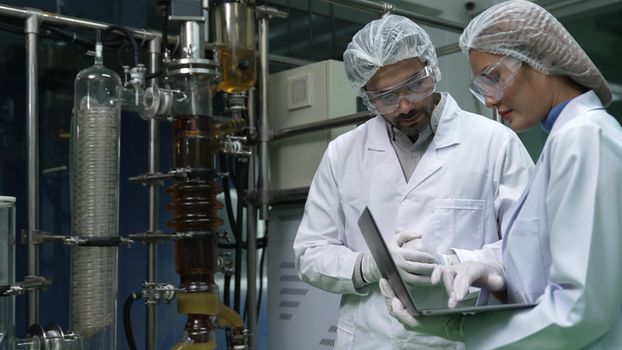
[496,77]
[416,88]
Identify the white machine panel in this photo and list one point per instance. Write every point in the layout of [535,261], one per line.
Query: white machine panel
[299,316]
[303,95]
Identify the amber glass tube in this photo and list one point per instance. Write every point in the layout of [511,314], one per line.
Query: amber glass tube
[194,205]
[194,208]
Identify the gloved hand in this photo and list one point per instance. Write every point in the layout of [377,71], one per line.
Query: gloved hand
[458,278]
[449,327]
[411,256]
[369,269]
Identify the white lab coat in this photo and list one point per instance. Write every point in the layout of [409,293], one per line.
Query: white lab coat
[564,246]
[468,178]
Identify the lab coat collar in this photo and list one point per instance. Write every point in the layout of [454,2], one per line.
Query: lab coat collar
[577,107]
[447,133]
[384,157]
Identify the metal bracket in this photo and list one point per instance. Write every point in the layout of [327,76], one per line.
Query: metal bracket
[154,236]
[225,263]
[155,293]
[40,237]
[29,283]
[178,173]
[53,337]
[235,145]
[269,12]
[239,339]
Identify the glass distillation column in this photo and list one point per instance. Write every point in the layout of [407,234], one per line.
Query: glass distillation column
[95,192]
[194,205]
[233,27]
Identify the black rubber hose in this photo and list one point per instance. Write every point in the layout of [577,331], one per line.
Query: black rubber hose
[128,36]
[241,171]
[127,319]
[154,75]
[261,262]
[227,290]
[227,190]
[70,36]
[164,7]
[238,257]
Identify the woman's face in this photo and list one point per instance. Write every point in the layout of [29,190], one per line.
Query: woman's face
[526,100]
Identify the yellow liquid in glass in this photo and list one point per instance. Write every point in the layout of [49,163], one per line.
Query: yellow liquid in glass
[238,69]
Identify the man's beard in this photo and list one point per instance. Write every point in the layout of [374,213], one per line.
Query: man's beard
[413,131]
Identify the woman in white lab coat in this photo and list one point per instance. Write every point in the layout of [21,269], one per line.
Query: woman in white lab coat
[562,247]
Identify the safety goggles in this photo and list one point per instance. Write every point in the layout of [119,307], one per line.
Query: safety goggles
[494,79]
[416,88]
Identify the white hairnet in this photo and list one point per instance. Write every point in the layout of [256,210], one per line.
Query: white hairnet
[385,41]
[529,33]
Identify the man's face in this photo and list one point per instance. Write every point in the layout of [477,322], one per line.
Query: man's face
[409,117]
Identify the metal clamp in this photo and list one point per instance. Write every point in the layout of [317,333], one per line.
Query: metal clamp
[236,102]
[238,340]
[225,263]
[157,103]
[178,173]
[52,338]
[154,236]
[151,178]
[269,12]
[134,76]
[154,292]
[40,237]
[235,145]
[29,283]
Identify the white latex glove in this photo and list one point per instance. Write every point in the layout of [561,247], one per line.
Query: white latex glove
[449,327]
[369,269]
[458,278]
[411,256]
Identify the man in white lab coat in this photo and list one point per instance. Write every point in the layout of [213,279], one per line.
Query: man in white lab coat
[442,177]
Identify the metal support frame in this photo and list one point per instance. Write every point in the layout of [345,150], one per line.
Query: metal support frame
[386,8]
[33,20]
[32,26]
[154,200]
[264,127]
[251,235]
[58,19]
[355,118]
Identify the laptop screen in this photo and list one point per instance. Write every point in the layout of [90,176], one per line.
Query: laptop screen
[383,259]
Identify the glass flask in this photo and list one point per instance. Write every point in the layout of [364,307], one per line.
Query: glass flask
[95,196]
[234,36]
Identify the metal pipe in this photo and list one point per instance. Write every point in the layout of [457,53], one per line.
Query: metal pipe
[447,49]
[321,125]
[384,8]
[251,234]
[154,156]
[192,40]
[264,128]
[252,119]
[31,29]
[55,18]
[289,60]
